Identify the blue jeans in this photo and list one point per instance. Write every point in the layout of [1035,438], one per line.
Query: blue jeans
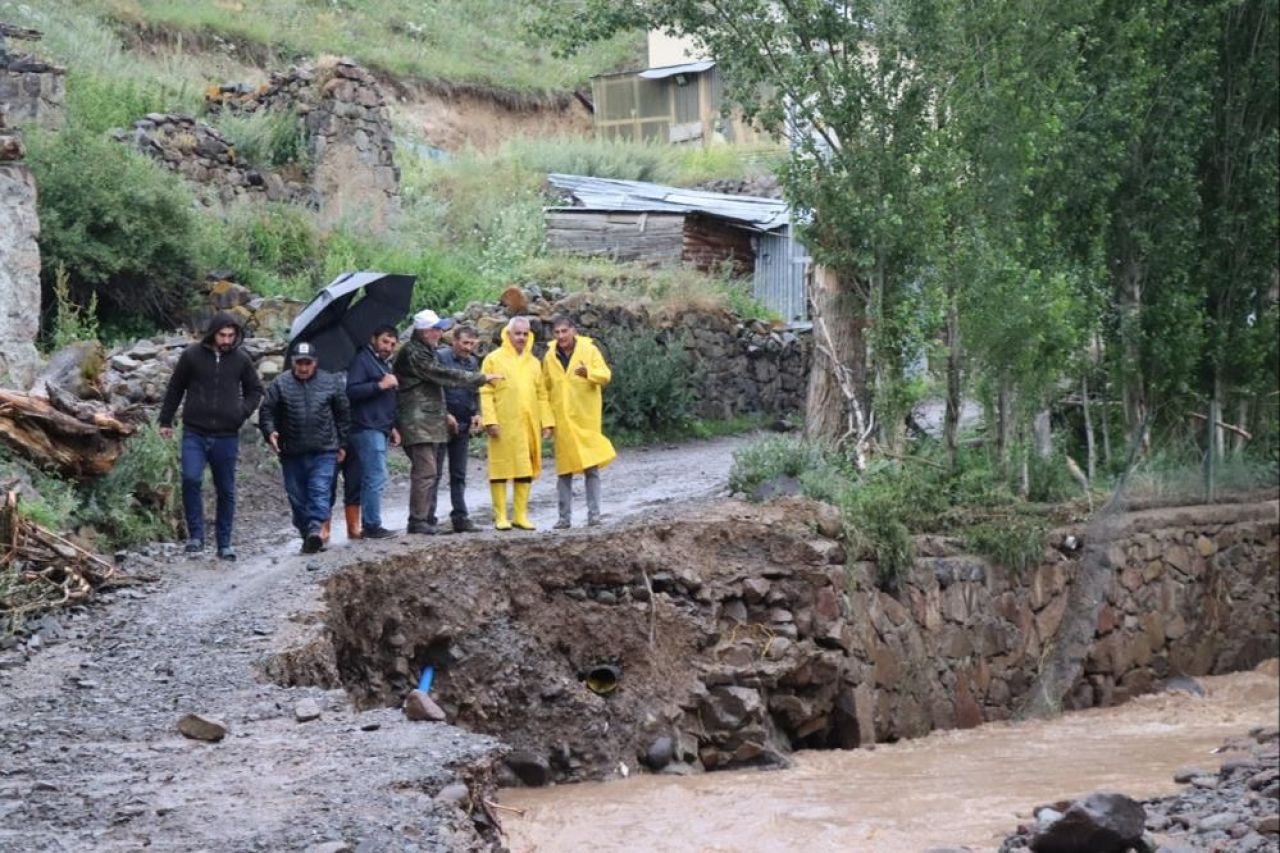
[370,446]
[220,454]
[308,481]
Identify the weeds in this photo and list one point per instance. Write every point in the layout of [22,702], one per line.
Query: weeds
[140,499]
[72,323]
[266,139]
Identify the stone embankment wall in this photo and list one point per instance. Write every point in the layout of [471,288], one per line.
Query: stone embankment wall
[740,366]
[349,172]
[743,632]
[34,91]
[1193,591]
[19,263]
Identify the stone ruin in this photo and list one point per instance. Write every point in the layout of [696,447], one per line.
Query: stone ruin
[34,90]
[349,172]
[19,262]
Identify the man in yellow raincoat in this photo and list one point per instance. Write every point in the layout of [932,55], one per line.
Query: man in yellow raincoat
[575,373]
[512,411]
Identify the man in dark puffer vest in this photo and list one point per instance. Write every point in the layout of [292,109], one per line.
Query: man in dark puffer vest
[221,389]
[305,418]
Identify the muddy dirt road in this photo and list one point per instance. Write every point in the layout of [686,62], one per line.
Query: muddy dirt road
[89,754]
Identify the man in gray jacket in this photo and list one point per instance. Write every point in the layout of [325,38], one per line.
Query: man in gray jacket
[305,418]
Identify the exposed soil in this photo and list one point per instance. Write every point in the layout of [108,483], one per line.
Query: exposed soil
[91,756]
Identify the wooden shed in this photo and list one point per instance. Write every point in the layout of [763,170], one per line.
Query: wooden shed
[658,225]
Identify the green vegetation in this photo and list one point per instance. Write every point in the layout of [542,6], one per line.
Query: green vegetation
[478,42]
[141,499]
[1075,198]
[71,322]
[652,397]
[266,139]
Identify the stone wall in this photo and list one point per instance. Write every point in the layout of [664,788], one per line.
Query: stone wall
[741,366]
[742,632]
[19,263]
[349,172]
[34,91]
[1193,591]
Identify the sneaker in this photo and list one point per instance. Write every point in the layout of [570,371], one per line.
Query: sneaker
[425,528]
[193,546]
[562,524]
[595,521]
[464,525]
[378,533]
[313,541]
[228,553]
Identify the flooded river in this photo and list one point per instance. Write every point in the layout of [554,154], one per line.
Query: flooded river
[951,788]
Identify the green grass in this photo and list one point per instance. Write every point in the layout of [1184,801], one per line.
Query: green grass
[480,42]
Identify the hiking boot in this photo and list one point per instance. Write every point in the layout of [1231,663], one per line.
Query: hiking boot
[562,524]
[426,528]
[227,553]
[378,533]
[193,546]
[313,541]
[464,525]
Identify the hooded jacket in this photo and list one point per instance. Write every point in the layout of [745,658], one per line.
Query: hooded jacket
[518,405]
[577,402]
[221,390]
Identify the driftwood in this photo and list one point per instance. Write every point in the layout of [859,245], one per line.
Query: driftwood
[76,438]
[40,570]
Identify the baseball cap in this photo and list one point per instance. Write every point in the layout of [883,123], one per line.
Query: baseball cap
[304,351]
[428,319]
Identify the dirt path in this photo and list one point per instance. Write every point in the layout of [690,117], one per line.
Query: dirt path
[89,754]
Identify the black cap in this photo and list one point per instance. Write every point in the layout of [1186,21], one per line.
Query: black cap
[305,351]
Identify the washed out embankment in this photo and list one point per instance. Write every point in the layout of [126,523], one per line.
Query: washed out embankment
[742,633]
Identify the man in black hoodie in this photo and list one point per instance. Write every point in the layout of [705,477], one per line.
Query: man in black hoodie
[221,389]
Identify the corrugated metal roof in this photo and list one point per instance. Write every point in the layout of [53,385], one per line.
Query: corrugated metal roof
[673,70]
[603,194]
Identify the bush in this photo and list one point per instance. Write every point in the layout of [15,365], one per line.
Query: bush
[266,139]
[140,499]
[651,395]
[1016,543]
[123,228]
[774,457]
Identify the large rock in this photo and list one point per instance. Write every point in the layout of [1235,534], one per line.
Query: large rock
[1100,823]
[199,727]
[19,274]
[419,707]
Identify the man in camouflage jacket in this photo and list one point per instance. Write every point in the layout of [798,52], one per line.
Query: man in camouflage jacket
[420,410]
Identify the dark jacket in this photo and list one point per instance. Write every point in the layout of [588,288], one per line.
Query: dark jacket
[420,405]
[462,403]
[221,389]
[311,416]
[371,407]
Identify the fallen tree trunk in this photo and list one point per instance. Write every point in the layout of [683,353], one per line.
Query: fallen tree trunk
[82,443]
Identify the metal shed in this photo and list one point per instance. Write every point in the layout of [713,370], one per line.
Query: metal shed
[656,224]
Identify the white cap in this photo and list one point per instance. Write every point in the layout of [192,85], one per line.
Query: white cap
[428,319]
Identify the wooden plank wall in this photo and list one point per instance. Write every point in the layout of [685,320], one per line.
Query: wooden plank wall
[709,242]
[648,238]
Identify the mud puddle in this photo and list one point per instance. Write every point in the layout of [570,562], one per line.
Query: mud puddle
[950,788]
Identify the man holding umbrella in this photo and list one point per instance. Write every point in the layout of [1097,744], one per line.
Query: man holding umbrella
[305,418]
[420,410]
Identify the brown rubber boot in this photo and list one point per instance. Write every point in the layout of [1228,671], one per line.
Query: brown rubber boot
[354,530]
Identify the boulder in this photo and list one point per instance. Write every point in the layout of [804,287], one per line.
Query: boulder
[198,727]
[306,710]
[1099,823]
[532,770]
[420,707]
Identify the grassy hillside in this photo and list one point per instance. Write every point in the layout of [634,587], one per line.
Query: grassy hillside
[185,42]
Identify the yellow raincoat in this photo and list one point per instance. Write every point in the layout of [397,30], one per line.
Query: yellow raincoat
[518,405]
[576,402]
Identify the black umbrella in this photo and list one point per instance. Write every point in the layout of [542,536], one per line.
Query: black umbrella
[340,319]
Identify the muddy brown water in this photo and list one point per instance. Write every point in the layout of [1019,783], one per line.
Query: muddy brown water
[950,788]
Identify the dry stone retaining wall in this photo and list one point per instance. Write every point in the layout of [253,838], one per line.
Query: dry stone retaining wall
[350,173]
[34,91]
[19,263]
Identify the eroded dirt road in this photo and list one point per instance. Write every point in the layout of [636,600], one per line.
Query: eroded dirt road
[89,754]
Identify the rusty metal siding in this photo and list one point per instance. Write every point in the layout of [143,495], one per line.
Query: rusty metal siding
[779,279]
